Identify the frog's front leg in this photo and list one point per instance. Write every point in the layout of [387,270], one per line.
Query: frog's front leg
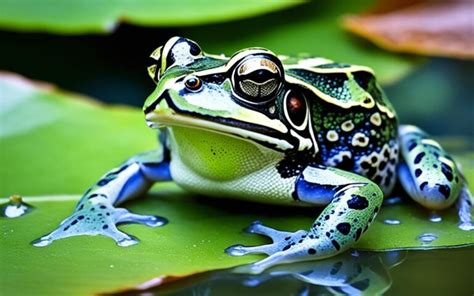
[430,176]
[96,214]
[353,204]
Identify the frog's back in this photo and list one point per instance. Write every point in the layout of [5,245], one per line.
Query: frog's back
[354,124]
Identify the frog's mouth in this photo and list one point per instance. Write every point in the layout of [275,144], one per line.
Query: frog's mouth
[165,114]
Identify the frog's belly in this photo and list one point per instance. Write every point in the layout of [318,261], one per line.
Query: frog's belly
[264,185]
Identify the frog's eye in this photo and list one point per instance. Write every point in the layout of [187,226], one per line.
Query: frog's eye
[193,83]
[296,109]
[257,79]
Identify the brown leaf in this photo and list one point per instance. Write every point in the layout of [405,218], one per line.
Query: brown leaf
[436,28]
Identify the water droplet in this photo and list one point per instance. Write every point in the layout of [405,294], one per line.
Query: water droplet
[435,218]
[392,221]
[427,238]
[15,207]
[392,200]
[111,266]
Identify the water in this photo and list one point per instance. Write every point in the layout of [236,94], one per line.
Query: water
[392,200]
[435,218]
[15,207]
[427,238]
[392,221]
[369,273]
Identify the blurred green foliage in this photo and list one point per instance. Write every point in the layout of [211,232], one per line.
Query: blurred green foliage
[103,16]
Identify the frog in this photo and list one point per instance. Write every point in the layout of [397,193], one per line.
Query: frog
[259,127]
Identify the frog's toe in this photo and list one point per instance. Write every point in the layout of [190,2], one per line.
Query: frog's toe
[282,241]
[257,227]
[124,216]
[240,250]
[121,238]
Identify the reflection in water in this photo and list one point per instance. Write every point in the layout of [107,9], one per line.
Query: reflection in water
[15,207]
[356,273]
[393,200]
[435,217]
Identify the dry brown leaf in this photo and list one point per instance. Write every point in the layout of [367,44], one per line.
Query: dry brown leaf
[437,28]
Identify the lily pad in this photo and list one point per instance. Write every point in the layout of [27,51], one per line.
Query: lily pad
[199,230]
[314,28]
[54,142]
[88,16]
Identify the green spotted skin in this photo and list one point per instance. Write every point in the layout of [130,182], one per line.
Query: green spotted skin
[435,180]
[295,131]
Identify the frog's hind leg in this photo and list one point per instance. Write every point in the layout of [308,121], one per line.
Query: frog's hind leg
[430,176]
[96,214]
[352,202]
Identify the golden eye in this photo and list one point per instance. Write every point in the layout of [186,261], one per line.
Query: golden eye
[193,83]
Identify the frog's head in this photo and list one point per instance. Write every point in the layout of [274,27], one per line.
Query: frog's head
[244,96]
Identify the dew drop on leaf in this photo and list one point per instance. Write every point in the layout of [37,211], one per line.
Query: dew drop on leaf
[15,207]
[427,238]
[435,218]
[392,221]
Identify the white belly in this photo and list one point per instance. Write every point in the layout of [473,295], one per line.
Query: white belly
[264,185]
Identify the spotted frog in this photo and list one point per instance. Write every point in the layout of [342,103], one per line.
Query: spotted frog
[278,130]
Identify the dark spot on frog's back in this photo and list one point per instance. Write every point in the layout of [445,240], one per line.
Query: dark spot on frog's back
[344,228]
[347,163]
[418,172]
[357,202]
[412,145]
[419,157]
[447,171]
[336,245]
[444,189]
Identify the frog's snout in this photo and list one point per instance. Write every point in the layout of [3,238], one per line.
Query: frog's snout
[150,119]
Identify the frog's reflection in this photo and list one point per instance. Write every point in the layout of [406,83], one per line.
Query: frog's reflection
[356,273]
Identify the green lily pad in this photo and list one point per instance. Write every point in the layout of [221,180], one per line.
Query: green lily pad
[54,142]
[199,230]
[88,16]
[314,28]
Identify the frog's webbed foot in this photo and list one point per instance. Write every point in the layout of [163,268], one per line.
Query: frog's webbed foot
[98,217]
[282,241]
